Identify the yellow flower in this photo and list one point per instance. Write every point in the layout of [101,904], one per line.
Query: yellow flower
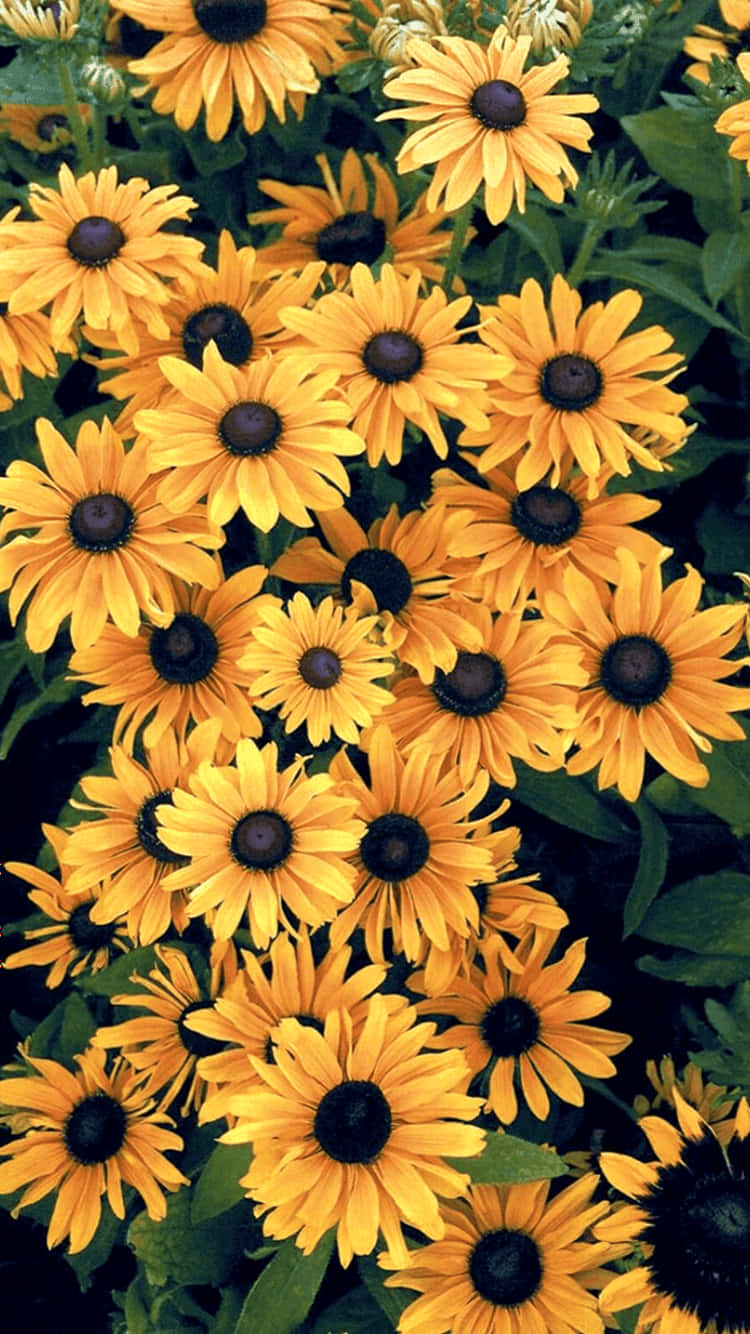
[735,121]
[552,24]
[707,41]
[40,129]
[25,345]
[48,20]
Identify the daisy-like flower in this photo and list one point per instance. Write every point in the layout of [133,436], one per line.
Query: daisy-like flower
[706,42]
[577,385]
[72,943]
[45,21]
[351,1132]
[319,666]
[493,124]
[690,1217]
[266,438]
[99,248]
[92,1131]
[123,843]
[511,1260]
[419,853]
[159,1045]
[509,699]
[105,545]
[25,345]
[523,541]
[260,52]
[714,1102]
[261,841]
[735,121]
[398,358]
[655,665]
[185,671]
[352,222]
[40,129]
[522,1024]
[399,568]
[236,304]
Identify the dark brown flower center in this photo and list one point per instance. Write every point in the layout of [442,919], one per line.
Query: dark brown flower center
[320,668]
[186,651]
[394,847]
[229,330]
[198,1044]
[392,355]
[230,20]
[498,104]
[250,428]
[47,126]
[571,383]
[384,574]
[352,237]
[146,829]
[505,1267]
[476,685]
[95,1129]
[635,670]
[353,1122]
[546,515]
[95,241]
[261,841]
[510,1026]
[101,522]
[87,935]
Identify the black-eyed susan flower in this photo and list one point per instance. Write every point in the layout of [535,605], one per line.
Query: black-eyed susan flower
[398,358]
[92,1131]
[40,129]
[123,843]
[511,1260]
[262,841]
[523,541]
[104,546]
[99,248]
[25,345]
[319,666]
[398,568]
[522,1025]
[72,943]
[351,1132]
[418,853]
[655,665]
[735,121]
[236,304]
[260,52]
[577,385]
[690,1217]
[713,1101]
[183,672]
[43,21]
[158,1044]
[267,438]
[706,42]
[511,698]
[493,124]
[352,222]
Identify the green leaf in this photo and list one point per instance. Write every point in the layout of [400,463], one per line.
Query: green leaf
[700,451]
[59,691]
[652,866]
[681,146]
[671,796]
[12,661]
[282,1295]
[29,80]
[655,278]
[508,1158]
[725,255]
[708,914]
[698,970]
[191,1252]
[568,801]
[725,538]
[356,1313]
[538,230]
[65,1032]
[217,1188]
[392,1301]
[728,791]
[109,981]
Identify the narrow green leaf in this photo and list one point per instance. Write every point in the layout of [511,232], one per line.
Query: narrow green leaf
[725,255]
[355,1313]
[99,1249]
[698,970]
[655,278]
[217,1187]
[59,691]
[708,914]
[392,1301]
[12,660]
[538,230]
[282,1295]
[652,866]
[568,801]
[728,792]
[508,1158]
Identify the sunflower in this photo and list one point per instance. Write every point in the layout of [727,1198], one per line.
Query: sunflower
[419,852]
[99,248]
[159,1044]
[265,438]
[399,568]
[319,666]
[575,391]
[39,129]
[343,224]
[715,1104]
[92,1131]
[25,345]
[48,20]
[526,539]
[654,664]
[72,944]
[510,698]
[735,121]
[237,304]
[259,51]
[183,672]
[690,1217]
[523,1022]
[104,543]
[511,1260]
[262,841]
[494,124]
[398,358]
[123,844]
[350,1132]
[707,42]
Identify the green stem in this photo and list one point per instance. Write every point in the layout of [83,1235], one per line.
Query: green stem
[100,127]
[460,226]
[598,1086]
[592,234]
[77,124]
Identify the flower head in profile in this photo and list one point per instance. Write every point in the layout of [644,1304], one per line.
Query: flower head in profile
[493,123]
[44,21]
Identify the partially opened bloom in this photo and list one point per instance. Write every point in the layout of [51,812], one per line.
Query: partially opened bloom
[735,121]
[105,546]
[25,345]
[92,1131]
[655,665]
[714,1102]
[99,248]
[493,124]
[351,1132]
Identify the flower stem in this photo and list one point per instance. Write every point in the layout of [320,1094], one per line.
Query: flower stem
[100,128]
[592,234]
[460,226]
[75,120]
[736,173]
